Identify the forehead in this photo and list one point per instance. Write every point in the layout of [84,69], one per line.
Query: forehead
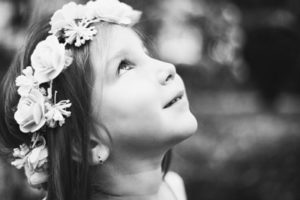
[123,39]
[111,40]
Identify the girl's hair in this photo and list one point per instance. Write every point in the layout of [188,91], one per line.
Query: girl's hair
[67,179]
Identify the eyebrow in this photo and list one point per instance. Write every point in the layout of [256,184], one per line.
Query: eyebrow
[125,51]
[117,55]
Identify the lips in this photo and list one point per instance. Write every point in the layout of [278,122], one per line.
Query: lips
[175,99]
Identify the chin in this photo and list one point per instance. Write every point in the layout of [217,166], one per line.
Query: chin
[184,129]
[189,126]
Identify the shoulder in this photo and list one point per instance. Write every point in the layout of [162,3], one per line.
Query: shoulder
[176,184]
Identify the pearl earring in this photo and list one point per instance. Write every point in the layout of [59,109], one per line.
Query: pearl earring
[100,160]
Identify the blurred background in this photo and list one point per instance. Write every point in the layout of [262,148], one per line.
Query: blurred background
[241,66]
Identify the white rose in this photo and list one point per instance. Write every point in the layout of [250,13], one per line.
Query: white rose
[113,11]
[65,17]
[36,168]
[30,114]
[48,59]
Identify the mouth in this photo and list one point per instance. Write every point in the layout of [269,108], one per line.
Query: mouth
[177,98]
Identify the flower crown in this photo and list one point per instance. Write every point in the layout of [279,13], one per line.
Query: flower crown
[37,107]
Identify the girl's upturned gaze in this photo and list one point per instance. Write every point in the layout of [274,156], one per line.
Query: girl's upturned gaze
[100,114]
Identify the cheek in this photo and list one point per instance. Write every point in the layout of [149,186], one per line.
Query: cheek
[128,109]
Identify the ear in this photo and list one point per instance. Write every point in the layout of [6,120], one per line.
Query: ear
[98,152]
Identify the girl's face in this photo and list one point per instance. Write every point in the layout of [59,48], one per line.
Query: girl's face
[140,100]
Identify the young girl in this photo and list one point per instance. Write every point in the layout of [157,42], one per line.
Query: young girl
[89,114]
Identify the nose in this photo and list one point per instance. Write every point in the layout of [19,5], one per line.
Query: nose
[166,73]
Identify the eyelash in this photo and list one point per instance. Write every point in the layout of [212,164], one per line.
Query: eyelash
[123,64]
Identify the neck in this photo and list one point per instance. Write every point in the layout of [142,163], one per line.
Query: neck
[127,180]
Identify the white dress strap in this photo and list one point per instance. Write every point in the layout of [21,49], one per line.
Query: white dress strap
[176,184]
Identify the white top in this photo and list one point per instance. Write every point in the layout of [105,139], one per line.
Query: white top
[176,185]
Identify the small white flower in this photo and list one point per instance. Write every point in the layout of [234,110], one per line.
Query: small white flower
[20,155]
[57,112]
[79,32]
[26,81]
[21,152]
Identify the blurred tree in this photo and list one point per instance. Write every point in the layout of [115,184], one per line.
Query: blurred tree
[271,49]
[272,55]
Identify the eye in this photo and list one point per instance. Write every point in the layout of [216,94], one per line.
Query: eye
[124,66]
